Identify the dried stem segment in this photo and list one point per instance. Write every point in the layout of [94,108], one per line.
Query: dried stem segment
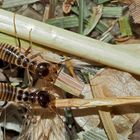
[69,84]
[96,102]
[105,116]
[71,43]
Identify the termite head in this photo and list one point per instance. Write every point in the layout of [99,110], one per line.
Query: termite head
[42,70]
[43,98]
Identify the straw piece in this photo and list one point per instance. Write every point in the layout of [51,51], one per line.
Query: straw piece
[93,20]
[69,84]
[70,43]
[101,27]
[112,12]
[125,26]
[104,115]
[96,102]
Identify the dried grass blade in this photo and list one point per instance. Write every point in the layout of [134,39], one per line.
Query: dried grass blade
[69,84]
[94,19]
[104,115]
[96,102]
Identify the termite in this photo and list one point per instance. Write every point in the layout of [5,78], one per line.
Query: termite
[10,93]
[12,55]
[41,99]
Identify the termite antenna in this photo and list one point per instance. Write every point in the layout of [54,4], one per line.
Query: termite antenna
[15,30]
[30,43]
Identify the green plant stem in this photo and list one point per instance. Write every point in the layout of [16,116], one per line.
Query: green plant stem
[117,56]
[81,16]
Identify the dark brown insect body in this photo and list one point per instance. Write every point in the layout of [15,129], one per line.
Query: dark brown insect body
[12,55]
[11,93]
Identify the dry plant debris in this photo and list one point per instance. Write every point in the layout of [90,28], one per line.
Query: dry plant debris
[110,21]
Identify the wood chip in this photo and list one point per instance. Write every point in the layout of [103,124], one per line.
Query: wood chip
[69,84]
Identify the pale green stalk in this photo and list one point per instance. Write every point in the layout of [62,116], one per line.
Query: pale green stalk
[71,43]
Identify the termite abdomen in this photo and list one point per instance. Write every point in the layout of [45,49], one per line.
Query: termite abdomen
[7,92]
[5,52]
[12,55]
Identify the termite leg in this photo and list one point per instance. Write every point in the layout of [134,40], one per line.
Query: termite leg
[30,79]
[7,78]
[5,67]
[5,103]
[15,30]
[27,120]
[27,77]
[26,53]
[4,125]
[67,128]
[5,75]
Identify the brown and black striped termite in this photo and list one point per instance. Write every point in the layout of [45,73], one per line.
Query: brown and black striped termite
[12,55]
[39,69]
[15,94]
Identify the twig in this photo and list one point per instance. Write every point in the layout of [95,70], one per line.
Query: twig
[96,102]
[105,116]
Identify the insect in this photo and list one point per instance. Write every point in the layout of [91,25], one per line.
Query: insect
[11,93]
[12,55]
[27,99]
